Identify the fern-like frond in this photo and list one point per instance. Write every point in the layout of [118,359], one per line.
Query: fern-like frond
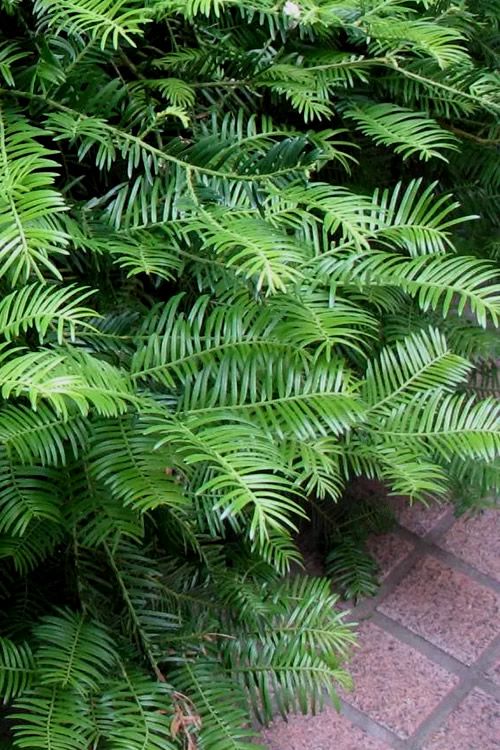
[35,545]
[123,458]
[30,230]
[145,254]
[316,322]
[73,651]
[413,219]
[450,93]
[266,257]
[306,616]
[420,363]
[46,308]
[281,399]
[101,20]
[134,713]
[407,218]
[272,316]
[341,211]
[352,568]
[243,471]
[316,465]
[291,156]
[306,92]
[449,424]
[422,37]
[10,53]
[43,435]
[62,378]
[98,516]
[436,282]
[17,669]
[409,133]
[403,467]
[144,601]
[219,705]
[179,345]
[28,493]
[294,679]
[51,717]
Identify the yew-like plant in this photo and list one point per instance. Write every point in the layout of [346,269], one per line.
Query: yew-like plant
[239,266]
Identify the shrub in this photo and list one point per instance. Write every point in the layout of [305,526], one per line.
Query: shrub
[233,278]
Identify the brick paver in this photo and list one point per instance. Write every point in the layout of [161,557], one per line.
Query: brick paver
[327,730]
[477,542]
[493,673]
[473,725]
[445,607]
[388,550]
[395,684]
[417,517]
[427,670]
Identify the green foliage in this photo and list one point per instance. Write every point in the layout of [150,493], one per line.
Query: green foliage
[29,207]
[247,253]
[40,306]
[348,561]
[352,569]
[408,131]
[72,652]
[17,669]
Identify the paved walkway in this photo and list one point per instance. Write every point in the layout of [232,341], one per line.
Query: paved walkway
[427,673]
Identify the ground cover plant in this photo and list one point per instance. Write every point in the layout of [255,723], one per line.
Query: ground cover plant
[247,253]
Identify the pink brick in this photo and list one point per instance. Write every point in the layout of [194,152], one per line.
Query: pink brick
[394,684]
[474,725]
[328,730]
[388,550]
[493,673]
[445,607]
[417,516]
[476,540]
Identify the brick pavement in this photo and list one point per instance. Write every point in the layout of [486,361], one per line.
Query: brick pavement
[427,672]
